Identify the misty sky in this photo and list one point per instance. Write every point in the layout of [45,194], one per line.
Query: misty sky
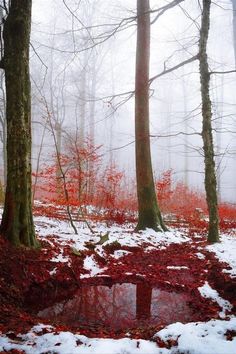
[175,98]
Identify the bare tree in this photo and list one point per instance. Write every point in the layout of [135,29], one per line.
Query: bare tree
[234,28]
[149,213]
[208,146]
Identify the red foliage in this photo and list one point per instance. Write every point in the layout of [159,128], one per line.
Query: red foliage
[89,182]
[163,188]
[227,213]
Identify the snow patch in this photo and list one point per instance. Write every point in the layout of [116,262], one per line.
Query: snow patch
[91,265]
[200,337]
[177,267]
[60,259]
[200,255]
[225,251]
[207,292]
[120,253]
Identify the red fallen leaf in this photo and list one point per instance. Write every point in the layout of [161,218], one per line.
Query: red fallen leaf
[14,336]
[230,335]
[160,342]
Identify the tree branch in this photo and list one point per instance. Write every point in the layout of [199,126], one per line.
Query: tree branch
[167,71]
[163,9]
[222,72]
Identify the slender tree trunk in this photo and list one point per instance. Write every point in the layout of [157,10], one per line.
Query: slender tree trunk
[234,28]
[208,147]
[149,213]
[3,128]
[17,221]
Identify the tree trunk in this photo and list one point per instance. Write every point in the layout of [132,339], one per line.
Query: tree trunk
[17,221]
[234,28]
[149,213]
[208,147]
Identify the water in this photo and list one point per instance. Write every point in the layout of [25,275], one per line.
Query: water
[120,307]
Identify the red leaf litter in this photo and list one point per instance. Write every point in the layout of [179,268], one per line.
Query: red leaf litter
[27,282]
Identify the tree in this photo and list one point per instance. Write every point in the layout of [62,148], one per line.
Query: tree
[208,146]
[234,27]
[149,213]
[17,221]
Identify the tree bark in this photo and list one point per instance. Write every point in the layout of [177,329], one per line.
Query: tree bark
[17,221]
[148,210]
[234,28]
[208,146]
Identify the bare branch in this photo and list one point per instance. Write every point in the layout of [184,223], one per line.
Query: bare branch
[163,9]
[167,71]
[222,72]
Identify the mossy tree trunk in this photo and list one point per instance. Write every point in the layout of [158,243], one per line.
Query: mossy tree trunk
[17,221]
[208,146]
[149,213]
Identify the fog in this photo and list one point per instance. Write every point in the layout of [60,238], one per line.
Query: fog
[82,65]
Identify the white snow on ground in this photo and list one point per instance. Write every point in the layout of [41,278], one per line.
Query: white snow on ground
[60,258]
[91,265]
[124,235]
[156,239]
[201,337]
[195,338]
[177,267]
[120,253]
[64,235]
[200,255]
[225,251]
[209,293]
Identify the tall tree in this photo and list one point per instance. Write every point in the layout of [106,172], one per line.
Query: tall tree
[149,213]
[17,221]
[208,146]
[234,28]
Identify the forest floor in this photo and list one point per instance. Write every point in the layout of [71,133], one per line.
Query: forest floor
[113,291]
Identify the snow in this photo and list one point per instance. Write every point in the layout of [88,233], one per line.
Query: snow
[206,338]
[68,343]
[209,293]
[61,229]
[60,258]
[120,253]
[225,251]
[91,265]
[177,267]
[124,235]
[54,271]
[200,255]
[201,337]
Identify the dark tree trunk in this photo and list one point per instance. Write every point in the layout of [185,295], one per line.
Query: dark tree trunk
[149,213]
[17,221]
[208,147]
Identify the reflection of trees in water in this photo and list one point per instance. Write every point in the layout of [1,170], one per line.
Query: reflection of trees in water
[97,305]
[121,306]
[170,307]
[143,301]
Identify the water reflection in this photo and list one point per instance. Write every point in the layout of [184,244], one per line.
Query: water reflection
[119,307]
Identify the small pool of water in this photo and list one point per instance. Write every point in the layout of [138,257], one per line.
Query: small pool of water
[119,307]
